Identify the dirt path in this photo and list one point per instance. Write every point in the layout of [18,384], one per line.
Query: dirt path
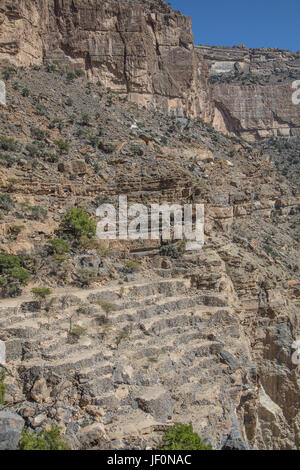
[81,293]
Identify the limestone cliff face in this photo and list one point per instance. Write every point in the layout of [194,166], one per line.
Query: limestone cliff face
[252,90]
[145,50]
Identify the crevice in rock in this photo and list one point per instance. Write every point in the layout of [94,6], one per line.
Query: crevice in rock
[119,30]
[232,124]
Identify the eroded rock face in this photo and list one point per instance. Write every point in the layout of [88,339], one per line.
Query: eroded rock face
[256,111]
[252,90]
[143,50]
[10,430]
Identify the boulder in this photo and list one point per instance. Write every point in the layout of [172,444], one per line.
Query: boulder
[91,435]
[156,401]
[11,425]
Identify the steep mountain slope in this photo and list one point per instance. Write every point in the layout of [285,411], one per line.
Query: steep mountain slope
[137,335]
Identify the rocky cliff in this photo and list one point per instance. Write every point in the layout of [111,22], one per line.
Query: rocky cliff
[142,49]
[252,90]
[145,50]
[135,336]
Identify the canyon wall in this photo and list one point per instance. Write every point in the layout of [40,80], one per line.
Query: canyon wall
[252,90]
[144,50]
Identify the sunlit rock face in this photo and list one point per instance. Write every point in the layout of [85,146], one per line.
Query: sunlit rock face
[144,50]
[252,90]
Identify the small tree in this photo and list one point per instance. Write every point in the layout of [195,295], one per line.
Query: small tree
[58,246]
[108,307]
[43,440]
[6,202]
[12,275]
[78,223]
[77,331]
[182,437]
[41,293]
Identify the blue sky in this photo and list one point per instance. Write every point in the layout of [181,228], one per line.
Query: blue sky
[255,23]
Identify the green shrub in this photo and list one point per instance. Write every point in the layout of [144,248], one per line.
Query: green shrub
[20,275]
[16,229]
[8,143]
[169,250]
[93,140]
[33,149]
[108,307]
[94,244]
[86,276]
[70,77]
[85,120]
[39,134]
[25,92]
[8,262]
[6,160]
[8,73]
[6,202]
[43,440]
[107,148]
[78,331]
[182,437]
[41,109]
[79,73]
[56,123]
[38,213]
[121,336]
[41,293]
[58,246]
[50,68]
[78,223]
[12,275]
[131,266]
[62,145]
[2,387]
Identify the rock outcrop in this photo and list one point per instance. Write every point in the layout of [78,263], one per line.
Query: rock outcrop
[252,90]
[139,334]
[143,50]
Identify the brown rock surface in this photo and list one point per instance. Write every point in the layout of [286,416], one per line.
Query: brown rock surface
[146,53]
[252,90]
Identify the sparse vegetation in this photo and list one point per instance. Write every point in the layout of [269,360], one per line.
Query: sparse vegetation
[62,145]
[6,202]
[41,293]
[86,277]
[106,147]
[77,331]
[182,437]
[122,336]
[43,440]
[131,266]
[108,307]
[12,275]
[2,387]
[58,246]
[78,224]
[8,143]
